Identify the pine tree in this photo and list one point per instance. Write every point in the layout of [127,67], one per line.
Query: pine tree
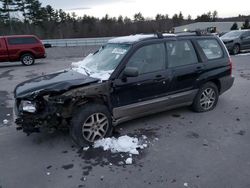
[234,26]
[8,7]
[246,24]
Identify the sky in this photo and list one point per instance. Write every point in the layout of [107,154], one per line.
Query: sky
[149,8]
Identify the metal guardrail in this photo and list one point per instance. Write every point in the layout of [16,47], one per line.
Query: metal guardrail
[77,42]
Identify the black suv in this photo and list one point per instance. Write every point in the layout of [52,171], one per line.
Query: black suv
[129,77]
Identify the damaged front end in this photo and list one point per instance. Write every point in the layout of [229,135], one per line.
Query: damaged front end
[49,101]
[42,112]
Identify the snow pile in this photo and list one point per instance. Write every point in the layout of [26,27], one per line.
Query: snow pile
[124,144]
[102,75]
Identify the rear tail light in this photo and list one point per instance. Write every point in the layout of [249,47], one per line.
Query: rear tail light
[231,66]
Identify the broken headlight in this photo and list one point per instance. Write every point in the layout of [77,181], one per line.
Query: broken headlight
[28,106]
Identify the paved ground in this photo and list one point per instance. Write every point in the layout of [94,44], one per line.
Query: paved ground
[208,150]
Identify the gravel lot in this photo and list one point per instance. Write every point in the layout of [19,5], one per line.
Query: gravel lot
[187,149]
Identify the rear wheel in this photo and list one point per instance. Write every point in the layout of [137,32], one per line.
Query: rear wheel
[91,122]
[27,59]
[236,49]
[206,98]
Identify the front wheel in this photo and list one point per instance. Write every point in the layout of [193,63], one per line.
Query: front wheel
[236,49]
[91,122]
[206,98]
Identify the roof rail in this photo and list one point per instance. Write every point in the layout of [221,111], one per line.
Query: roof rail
[198,32]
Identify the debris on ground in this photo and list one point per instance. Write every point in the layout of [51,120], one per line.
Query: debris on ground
[205,142]
[5,121]
[83,178]
[185,184]
[85,148]
[156,139]
[120,163]
[48,173]
[129,161]
[124,144]
[241,132]
[102,178]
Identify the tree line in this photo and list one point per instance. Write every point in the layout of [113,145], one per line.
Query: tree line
[30,17]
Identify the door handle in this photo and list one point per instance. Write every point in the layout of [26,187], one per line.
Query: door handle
[199,69]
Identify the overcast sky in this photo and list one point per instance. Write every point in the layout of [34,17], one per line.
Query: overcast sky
[149,8]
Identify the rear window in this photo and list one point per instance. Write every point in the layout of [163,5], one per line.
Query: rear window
[22,40]
[211,48]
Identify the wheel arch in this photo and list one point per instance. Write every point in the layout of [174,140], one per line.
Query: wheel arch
[217,83]
[101,100]
[25,52]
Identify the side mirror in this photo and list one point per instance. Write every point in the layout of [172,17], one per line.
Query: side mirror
[130,72]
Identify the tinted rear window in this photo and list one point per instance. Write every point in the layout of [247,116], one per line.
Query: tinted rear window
[211,48]
[22,40]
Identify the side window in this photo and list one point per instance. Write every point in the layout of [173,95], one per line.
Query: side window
[181,53]
[211,48]
[149,58]
[22,40]
[248,34]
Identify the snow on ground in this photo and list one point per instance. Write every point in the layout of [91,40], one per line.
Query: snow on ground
[124,144]
[244,54]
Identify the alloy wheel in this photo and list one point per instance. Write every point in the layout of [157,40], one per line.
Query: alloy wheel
[95,127]
[208,98]
[28,60]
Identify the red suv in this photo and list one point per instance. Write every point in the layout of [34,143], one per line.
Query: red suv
[24,48]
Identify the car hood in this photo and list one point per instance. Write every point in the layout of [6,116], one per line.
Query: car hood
[52,83]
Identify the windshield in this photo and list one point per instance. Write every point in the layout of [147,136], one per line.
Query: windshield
[102,63]
[232,34]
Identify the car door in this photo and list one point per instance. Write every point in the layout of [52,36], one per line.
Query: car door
[245,40]
[185,67]
[3,51]
[133,95]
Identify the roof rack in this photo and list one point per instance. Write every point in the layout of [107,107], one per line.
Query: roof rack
[198,32]
[164,35]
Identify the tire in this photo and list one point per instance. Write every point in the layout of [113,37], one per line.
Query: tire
[85,127]
[206,98]
[27,59]
[236,49]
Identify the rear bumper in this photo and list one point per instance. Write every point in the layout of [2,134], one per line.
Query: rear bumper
[41,56]
[226,83]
